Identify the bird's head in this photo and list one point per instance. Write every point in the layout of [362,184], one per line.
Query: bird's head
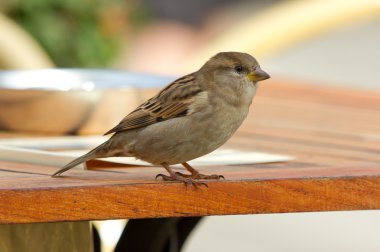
[234,67]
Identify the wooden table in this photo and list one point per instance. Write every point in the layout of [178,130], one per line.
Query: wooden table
[334,135]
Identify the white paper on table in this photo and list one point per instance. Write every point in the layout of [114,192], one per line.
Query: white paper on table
[28,150]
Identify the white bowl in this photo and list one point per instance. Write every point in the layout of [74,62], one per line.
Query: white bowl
[71,101]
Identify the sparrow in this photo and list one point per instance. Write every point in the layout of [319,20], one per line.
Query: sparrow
[189,118]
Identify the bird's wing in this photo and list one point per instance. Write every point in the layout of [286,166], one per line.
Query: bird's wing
[173,101]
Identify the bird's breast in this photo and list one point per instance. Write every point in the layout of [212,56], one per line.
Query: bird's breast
[225,121]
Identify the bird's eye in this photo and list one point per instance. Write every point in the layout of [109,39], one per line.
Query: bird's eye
[239,69]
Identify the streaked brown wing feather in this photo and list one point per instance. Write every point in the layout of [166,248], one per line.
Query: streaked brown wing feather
[173,101]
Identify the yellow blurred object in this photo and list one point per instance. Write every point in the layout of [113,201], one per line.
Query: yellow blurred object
[18,50]
[287,23]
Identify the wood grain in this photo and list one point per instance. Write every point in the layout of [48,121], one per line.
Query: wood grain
[333,133]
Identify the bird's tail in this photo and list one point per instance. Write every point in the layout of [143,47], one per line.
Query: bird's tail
[98,152]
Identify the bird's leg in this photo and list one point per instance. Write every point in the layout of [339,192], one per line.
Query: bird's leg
[196,175]
[175,176]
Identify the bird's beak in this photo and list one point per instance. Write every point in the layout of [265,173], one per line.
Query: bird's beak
[258,75]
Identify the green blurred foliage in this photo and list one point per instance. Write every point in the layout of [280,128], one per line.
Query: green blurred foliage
[75,33]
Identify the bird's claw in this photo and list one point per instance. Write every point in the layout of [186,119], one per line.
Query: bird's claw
[164,177]
[198,176]
[185,180]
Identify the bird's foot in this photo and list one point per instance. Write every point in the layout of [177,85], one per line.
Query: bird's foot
[178,177]
[198,176]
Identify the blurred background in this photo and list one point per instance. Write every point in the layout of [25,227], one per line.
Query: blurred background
[317,42]
[332,42]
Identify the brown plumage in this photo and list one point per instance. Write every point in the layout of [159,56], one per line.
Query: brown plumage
[171,102]
[187,119]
